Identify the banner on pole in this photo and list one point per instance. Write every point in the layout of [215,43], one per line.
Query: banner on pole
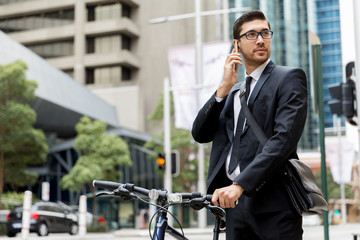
[340,163]
[182,63]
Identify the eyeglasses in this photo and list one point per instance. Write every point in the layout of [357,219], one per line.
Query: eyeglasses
[253,35]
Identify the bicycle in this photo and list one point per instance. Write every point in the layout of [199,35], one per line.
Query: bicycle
[164,200]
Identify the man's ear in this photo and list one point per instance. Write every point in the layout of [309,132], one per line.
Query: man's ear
[239,48]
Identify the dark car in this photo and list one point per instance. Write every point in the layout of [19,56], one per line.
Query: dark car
[45,218]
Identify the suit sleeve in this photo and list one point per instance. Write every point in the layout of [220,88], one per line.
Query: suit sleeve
[206,122]
[289,121]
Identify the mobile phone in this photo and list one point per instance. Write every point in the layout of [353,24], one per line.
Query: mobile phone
[236,51]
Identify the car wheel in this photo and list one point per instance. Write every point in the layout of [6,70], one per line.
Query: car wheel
[42,230]
[11,234]
[73,229]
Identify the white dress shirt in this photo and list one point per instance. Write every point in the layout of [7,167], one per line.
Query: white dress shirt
[237,108]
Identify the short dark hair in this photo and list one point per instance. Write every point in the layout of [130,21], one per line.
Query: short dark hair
[247,17]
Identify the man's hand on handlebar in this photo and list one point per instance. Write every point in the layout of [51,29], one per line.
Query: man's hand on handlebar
[227,197]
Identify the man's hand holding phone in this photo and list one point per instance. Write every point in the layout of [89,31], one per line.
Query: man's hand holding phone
[231,67]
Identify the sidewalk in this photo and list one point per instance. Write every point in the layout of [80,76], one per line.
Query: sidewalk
[336,232]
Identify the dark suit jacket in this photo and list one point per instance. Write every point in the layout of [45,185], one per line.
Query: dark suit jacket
[279,105]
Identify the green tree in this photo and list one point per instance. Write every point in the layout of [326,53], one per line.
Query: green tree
[101,157]
[21,145]
[333,189]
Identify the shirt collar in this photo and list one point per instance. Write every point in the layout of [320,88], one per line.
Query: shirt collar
[257,72]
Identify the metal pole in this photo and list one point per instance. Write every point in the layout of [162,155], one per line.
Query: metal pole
[317,61]
[356,8]
[26,215]
[167,142]
[82,216]
[199,75]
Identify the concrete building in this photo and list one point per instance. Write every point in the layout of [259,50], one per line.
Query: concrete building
[108,45]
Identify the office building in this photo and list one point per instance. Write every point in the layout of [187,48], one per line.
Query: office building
[290,47]
[327,28]
[107,45]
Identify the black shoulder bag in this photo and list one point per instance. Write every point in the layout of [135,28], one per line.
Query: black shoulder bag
[299,180]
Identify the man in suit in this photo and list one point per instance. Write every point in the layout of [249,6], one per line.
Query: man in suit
[241,170]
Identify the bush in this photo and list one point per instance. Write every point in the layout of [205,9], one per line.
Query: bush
[10,200]
[97,228]
[2,229]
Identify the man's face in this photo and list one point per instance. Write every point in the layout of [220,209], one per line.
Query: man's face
[254,52]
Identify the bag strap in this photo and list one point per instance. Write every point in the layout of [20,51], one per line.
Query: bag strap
[251,120]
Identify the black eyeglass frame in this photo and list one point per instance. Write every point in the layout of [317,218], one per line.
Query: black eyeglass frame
[257,34]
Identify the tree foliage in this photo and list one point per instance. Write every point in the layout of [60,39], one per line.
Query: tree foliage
[101,155]
[333,189]
[21,145]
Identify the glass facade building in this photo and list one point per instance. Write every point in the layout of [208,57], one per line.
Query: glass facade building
[290,47]
[327,28]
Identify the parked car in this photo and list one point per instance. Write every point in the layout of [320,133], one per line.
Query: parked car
[45,218]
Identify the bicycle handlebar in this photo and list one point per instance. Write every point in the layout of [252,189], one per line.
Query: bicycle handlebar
[114,185]
[155,194]
[195,200]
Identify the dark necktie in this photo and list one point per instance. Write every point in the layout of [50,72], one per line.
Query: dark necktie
[234,159]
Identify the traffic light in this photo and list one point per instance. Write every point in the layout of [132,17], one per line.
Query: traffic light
[175,162]
[160,161]
[343,103]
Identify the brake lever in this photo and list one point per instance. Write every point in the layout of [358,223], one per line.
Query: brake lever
[198,203]
[216,210]
[104,193]
[124,194]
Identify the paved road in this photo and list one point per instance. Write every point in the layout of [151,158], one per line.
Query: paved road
[337,232]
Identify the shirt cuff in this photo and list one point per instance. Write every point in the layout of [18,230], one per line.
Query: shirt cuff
[219,99]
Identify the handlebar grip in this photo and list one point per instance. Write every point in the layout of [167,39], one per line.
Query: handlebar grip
[208,197]
[106,184]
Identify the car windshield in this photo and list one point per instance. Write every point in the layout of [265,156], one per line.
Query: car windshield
[18,209]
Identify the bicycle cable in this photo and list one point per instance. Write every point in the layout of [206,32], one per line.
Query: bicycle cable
[157,212]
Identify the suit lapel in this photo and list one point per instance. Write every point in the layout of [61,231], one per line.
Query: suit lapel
[264,76]
[229,112]
[229,105]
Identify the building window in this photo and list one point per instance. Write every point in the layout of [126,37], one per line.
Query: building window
[126,11]
[125,42]
[90,45]
[53,50]
[125,74]
[37,21]
[90,76]
[103,11]
[103,44]
[4,2]
[69,72]
[91,13]
[112,75]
